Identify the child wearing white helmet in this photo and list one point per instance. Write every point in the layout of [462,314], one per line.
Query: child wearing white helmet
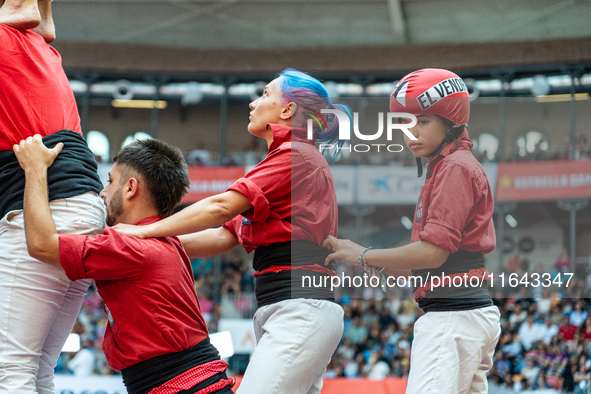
[454,341]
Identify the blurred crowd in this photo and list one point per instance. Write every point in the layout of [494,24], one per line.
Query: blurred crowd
[545,340]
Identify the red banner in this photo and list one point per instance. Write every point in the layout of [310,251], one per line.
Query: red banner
[544,180]
[357,385]
[209,181]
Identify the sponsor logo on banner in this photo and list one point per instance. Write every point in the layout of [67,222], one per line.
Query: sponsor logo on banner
[209,181]
[549,180]
[385,185]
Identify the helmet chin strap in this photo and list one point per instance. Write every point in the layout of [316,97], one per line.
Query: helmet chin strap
[452,135]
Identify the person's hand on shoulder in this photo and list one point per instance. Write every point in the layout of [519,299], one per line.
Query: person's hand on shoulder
[33,156]
[131,230]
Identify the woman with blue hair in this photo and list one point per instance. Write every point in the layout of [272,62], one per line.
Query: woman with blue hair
[282,210]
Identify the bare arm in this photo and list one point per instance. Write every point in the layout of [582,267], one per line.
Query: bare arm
[207,213]
[42,236]
[398,272]
[417,255]
[209,242]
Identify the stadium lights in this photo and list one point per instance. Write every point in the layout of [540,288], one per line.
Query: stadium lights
[72,344]
[555,98]
[160,104]
[511,221]
[406,222]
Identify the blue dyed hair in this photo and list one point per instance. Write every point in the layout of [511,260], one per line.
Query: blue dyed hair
[310,95]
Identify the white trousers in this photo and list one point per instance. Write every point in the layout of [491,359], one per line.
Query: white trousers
[452,351]
[295,341]
[38,303]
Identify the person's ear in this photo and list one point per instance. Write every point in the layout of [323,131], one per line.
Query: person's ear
[131,188]
[288,111]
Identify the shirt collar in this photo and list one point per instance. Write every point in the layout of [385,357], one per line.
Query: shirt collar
[282,133]
[462,143]
[148,220]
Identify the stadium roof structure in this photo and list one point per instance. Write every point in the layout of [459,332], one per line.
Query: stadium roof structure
[253,39]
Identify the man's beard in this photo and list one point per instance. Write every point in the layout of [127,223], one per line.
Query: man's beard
[115,208]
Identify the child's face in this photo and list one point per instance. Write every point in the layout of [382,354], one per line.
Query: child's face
[429,131]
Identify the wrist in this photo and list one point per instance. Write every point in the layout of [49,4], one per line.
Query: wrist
[35,170]
[147,231]
[361,259]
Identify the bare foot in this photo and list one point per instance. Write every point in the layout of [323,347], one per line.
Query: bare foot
[20,14]
[46,28]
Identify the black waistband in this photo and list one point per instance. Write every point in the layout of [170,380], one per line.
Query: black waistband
[73,172]
[142,377]
[296,283]
[452,298]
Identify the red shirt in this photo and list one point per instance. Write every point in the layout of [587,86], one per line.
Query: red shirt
[568,334]
[456,204]
[148,289]
[36,97]
[292,193]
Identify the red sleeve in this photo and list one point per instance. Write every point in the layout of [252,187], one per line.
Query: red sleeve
[270,180]
[452,201]
[109,256]
[231,225]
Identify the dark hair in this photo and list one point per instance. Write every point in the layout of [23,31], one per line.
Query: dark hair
[162,167]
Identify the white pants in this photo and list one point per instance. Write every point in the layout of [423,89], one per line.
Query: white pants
[38,303]
[295,341]
[452,351]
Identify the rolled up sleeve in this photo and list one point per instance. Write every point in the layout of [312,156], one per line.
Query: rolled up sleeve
[269,181]
[256,197]
[71,255]
[232,224]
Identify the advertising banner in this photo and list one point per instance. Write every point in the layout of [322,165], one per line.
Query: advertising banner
[243,338]
[384,185]
[209,181]
[68,384]
[544,180]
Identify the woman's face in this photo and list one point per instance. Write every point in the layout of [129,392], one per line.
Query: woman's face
[429,131]
[267,109]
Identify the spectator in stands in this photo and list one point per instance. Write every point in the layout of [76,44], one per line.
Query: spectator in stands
[84,361]
[544,302]
[548,330]
[582,148]
[529,332]
[567,331]
[579,315]
[581,374]
[357,332]
[563,261]
[530,371]
[518,316]
[199,156]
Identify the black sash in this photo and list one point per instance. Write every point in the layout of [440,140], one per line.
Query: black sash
[451,298]
[294,283]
